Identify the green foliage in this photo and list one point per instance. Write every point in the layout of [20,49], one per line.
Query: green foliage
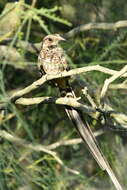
[48,13]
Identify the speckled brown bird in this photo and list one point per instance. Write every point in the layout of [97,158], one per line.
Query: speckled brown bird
[52,61]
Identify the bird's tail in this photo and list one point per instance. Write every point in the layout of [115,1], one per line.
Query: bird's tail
[88,137]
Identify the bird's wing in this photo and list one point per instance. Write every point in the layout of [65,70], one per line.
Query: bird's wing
[40,62]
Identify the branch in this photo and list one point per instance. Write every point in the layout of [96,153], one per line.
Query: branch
[31,47]
[68,101]
[110,80]
[37,148]
[89,98]
[93,112]
[118,86]
[34,48]
[71,141]
[47,149]
[45,78]
[100,26]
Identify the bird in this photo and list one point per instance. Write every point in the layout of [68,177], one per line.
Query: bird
[52,61]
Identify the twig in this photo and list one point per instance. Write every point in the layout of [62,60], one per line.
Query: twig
[121,119]
[37,148]
[90,99]
[8,117]
[118,86]
[33,3]
[31,47]
[71,141]
[110,80]
[100,26]
[46,149]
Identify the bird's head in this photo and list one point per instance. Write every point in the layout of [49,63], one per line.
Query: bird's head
[51,40]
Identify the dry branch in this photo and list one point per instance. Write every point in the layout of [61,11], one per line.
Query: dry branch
[34,48]
[37,148]
[110,80]
[71,141]
[68,101]
[45,78]
[93,112]
[47,149]
[118,86]
[98,26]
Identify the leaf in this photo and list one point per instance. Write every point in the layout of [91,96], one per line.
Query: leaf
[42,24]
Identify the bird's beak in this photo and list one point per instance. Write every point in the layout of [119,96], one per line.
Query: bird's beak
[62,39]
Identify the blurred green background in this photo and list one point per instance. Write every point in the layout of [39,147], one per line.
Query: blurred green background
[23,24]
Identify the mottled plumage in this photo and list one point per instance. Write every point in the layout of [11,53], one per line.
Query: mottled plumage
[52,60]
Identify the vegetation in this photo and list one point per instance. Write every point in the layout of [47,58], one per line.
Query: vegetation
[28,161]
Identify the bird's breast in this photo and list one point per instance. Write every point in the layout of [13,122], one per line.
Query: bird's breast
[51,61]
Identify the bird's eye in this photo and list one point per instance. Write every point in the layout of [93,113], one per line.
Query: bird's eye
[50,39]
